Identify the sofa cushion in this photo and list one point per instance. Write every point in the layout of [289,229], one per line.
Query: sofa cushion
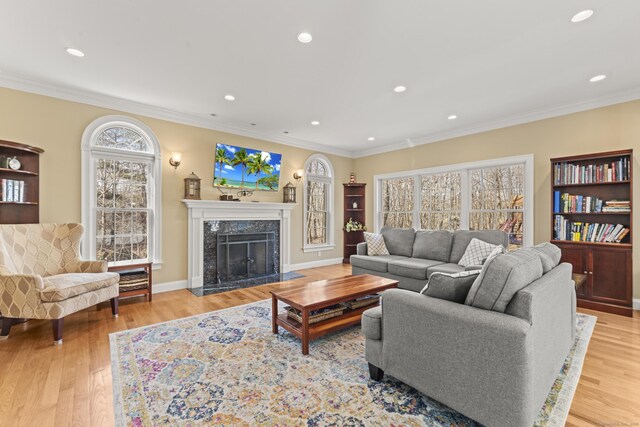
[450,287]
[448,267]
[502,277]
[375,244]
[549,255]
[415,268]
[64,286]
[399,241]
[372,323]
[374,263]
[476,252]
[462,238]
[433,245]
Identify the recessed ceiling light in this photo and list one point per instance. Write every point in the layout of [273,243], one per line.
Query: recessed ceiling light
[597,78]
[213,114]
[230,97]
[582,16]
[399,89]
[286,131]
[315,123]
[252,124]
[452,117]
[75,52]
[371,138]
[304,37]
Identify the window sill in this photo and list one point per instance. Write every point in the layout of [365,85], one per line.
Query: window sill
[318,248]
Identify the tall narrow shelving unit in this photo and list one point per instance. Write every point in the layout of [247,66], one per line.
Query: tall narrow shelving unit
[354,193]
[25,211]
[590,194]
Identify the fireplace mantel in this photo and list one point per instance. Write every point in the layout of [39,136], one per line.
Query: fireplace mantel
[200,211]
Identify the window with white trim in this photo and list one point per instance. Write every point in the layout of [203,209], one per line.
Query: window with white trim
[488,195]
[121,191]
[318,203]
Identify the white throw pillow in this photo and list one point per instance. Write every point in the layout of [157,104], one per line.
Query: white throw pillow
[375,244]
[476,252]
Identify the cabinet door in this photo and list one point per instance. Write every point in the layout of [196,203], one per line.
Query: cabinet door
[578,256]
[611,280]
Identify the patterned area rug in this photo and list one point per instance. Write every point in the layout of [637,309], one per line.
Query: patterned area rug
[227,368]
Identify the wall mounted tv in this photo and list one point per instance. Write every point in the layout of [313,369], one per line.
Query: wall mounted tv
[238,167]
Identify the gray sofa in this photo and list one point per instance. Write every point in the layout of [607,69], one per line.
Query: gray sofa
[415,255]
[492,358]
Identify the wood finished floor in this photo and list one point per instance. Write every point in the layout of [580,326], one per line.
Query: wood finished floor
[46,385]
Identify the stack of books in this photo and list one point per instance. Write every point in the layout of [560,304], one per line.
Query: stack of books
[569,173]
[12,190]
[621,206]
[578,231]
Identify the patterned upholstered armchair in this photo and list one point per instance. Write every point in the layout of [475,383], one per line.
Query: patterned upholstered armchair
[43,277]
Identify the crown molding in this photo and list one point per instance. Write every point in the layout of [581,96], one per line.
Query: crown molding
[133,107]
[547,113]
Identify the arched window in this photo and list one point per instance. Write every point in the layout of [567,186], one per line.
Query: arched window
[121,192]
[318,204]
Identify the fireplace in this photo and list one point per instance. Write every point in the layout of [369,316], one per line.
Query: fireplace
[245,256]
[209,218]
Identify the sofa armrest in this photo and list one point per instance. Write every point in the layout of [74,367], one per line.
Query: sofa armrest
[361,249]
[440,347]
[86,267]
[20,294]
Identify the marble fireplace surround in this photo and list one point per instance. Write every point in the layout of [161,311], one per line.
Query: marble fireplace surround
[200,211]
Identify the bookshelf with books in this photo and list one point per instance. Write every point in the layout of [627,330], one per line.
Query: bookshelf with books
[19,183]
[591,222]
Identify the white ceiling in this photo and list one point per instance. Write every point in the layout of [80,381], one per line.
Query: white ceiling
[491,62]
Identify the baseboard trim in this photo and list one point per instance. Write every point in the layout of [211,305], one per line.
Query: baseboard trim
[169,286]
[636,303]
[314,264]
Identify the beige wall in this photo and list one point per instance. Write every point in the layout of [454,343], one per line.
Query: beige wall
[610,128]
[56,126]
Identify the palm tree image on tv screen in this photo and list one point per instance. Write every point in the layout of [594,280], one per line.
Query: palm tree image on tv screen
[237,167]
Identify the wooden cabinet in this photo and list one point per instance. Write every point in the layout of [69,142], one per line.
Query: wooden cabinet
[22,205]
[354,208]
[607,264]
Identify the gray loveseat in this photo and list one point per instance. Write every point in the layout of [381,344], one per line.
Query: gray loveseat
[415,255]
[494,357]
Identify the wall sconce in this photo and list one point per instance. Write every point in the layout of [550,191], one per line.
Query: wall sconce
[175,159]
[297,175]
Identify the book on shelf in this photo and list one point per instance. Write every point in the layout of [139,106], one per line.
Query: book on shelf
[565,173]
[12,190]
[579,231]
[574,203]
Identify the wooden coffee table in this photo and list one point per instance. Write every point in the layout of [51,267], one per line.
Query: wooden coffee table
[322,294]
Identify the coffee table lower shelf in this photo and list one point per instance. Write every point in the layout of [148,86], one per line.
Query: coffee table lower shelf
[324,327]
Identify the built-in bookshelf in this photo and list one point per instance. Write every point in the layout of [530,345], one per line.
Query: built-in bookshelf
[354,205]
[591,222]
[19,183]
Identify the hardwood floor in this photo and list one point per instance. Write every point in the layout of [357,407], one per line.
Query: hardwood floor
[46,385]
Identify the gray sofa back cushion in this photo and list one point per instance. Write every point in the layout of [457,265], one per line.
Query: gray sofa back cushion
[504,276]
[399,241]
[549,254]
[434,245]
[462,238]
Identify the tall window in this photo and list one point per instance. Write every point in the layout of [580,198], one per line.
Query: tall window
[488,195]
[318,203]
[121,205]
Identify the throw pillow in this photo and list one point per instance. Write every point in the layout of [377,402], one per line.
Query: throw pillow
[476,252]
[375,244]
[451,287]
[502,277]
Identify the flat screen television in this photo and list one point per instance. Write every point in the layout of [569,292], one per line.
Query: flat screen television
[238,167]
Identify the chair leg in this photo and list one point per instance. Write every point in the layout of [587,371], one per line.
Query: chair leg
[7,323]
[114,306]
[57,330]
[376,373]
